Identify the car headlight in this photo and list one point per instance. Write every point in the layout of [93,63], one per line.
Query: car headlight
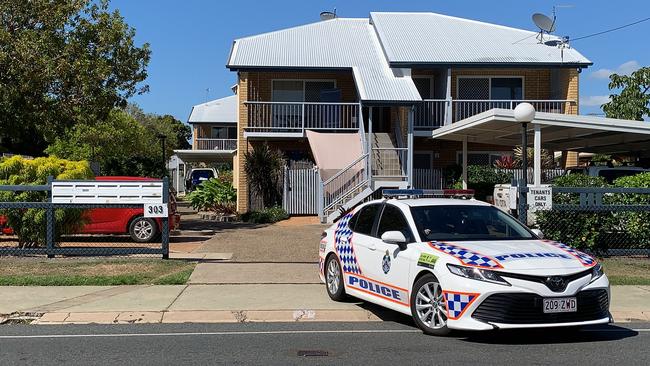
[596,272]
[477,274]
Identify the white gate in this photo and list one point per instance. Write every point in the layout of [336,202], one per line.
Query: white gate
[301,191]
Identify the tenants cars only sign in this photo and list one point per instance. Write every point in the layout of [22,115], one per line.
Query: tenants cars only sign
[540,198]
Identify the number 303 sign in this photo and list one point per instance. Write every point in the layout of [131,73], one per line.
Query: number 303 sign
[155,210]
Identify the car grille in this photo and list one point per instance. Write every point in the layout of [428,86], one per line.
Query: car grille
[527,309]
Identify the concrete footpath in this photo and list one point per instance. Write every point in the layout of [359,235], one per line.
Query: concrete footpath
[219,303]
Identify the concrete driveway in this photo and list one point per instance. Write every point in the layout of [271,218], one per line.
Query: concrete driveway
[290,241]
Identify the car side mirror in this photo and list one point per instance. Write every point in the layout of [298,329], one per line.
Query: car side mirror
[394,237]
[538,232]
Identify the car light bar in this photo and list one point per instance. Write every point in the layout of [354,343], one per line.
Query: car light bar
[418,193]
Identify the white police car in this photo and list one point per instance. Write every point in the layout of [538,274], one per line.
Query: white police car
[459,264]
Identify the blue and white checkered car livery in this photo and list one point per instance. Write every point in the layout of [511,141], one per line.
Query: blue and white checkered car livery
[457,302]
[465,256]
[343,246]
[584,258]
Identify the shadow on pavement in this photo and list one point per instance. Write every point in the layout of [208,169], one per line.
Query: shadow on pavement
[549,335]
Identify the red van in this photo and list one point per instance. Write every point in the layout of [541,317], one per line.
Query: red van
[121,220]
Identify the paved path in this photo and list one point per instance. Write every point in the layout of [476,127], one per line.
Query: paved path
[226,303]
[254,273]
[316,343]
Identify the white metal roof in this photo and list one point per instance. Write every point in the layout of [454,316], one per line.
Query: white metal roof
[559,132]
[340,43]
[222,110]
[428,38]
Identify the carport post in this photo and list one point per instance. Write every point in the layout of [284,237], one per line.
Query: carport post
[537,147]
[464,176]
[409,158]
[523,186]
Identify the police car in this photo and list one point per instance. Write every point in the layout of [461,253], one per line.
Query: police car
[452,262]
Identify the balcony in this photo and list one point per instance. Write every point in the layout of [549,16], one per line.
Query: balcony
[215,144]
[433,113]
[291,119]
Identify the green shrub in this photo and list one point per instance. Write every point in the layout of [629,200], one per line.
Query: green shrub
[214,195]
[266,216]
[580,229]
[30,224]
[482,178]
[636,225]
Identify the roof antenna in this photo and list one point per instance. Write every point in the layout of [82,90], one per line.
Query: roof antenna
[207,94]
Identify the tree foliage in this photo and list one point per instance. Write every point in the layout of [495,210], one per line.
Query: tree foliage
[121,144]
[30,224]
[63,63]
[214,195]
[263,166]
[633,101]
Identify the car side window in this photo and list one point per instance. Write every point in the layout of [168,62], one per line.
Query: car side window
[392,219]
[366,219]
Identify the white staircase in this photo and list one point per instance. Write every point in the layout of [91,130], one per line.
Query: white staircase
[383,167]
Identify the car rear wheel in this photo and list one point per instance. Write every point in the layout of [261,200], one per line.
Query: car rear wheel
[334,279]
[143,229]
[428,307]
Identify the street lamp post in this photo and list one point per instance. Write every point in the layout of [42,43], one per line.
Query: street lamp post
[162,138]
[524,113]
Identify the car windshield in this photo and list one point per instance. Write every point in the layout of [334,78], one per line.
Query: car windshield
[467,222]
[202,174]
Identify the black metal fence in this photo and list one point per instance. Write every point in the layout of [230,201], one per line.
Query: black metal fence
[45,227]
[602,221]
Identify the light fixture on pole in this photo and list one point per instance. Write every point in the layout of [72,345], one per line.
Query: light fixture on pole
[524,113]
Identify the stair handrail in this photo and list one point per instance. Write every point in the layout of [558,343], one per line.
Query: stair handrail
[348,167]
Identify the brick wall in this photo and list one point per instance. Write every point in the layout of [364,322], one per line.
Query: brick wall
[242,144]
[448,150]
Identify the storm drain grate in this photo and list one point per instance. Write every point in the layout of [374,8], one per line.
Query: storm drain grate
[313,353]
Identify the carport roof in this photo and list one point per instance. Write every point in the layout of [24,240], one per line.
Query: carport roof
[205,156]
[558,132]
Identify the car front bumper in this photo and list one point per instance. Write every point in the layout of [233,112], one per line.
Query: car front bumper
[476,305]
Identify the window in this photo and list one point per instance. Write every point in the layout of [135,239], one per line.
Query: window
[365,219]
[493,88]
[424,86]
[506,88]
[288,91]
[482,158]
[467,222]
[392,219]
[304,91]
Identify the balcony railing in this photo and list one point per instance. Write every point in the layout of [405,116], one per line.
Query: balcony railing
[215,144]
[434,113]
[296,117]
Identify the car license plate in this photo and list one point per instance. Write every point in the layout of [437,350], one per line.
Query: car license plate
[560,305]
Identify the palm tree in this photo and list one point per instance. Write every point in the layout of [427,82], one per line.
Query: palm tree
[263,167]
[547,158]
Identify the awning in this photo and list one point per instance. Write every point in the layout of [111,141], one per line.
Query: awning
[205,156]
[559,132]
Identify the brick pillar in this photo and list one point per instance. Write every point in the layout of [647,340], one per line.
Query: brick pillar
[242,144]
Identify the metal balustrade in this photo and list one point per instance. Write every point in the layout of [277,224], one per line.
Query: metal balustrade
[215,144]
[435,113]
[345,184]
[296,117]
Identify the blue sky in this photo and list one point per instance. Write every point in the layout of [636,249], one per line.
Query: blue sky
[191,39]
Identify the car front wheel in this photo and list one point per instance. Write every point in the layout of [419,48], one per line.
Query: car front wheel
[143,229]
[428,307]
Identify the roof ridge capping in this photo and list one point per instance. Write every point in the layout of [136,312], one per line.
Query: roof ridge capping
[318,22]
[456,18]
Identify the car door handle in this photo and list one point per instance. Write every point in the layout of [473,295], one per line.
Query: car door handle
[372,247]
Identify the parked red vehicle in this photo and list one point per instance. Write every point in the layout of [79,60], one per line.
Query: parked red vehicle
[121,220]
[129,220]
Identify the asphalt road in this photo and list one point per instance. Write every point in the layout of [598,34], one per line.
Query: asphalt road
[340,343]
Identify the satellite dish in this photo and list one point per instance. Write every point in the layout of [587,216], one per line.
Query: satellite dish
[544,23]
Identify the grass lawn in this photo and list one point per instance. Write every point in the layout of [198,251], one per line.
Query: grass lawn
[93,272]
[627,271]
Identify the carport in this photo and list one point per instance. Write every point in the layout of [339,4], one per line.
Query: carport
[555,132]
